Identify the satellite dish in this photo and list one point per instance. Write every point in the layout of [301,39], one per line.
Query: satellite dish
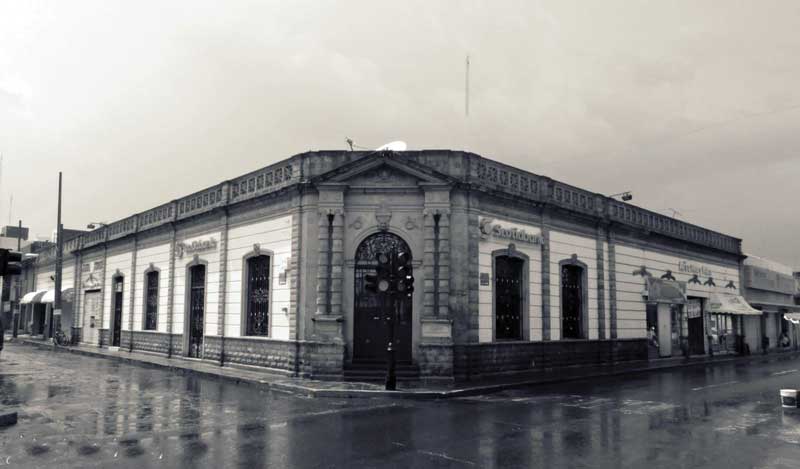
[398,145]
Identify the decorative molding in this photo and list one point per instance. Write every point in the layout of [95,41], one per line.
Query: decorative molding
[668,275]
[357,224]
[710,282]
[642,271]
[383,215]
[411,223]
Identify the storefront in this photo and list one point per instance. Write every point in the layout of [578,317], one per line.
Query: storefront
[727,314]
[770,288]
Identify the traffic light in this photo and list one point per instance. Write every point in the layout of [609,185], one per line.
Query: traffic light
[404,276]
[10,262]
[381,280]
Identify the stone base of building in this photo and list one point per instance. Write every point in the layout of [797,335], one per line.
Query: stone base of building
[151,341]
[483,360]
[435,361]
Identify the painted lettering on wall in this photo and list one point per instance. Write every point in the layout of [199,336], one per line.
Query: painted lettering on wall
[684,266]
[181,249]
[498,231]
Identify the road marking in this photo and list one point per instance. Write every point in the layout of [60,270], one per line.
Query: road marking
[444,456]
[714,385]
[786,372]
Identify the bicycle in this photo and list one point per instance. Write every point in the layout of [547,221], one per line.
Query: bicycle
[60,339]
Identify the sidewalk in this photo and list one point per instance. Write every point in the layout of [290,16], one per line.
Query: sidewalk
[338,389]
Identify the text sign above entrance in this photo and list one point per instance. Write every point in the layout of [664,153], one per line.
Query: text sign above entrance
[182,249]
[488,228]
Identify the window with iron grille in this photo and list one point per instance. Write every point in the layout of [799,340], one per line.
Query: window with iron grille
[151,301]
[257,296]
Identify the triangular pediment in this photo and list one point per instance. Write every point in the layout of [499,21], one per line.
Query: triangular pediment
[383,170]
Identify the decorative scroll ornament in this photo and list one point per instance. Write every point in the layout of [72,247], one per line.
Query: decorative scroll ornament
[710,282]
[731,285]
[357,224]
[383,215]
[642,271]
[668,276]
[694,279]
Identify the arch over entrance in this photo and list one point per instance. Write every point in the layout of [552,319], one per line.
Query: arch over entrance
[370,327]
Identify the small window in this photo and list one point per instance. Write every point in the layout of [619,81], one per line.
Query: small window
[151,302]
[257,296]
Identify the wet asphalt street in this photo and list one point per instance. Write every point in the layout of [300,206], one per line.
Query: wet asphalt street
[87,412]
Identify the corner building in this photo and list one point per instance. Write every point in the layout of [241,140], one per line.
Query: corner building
[514,271]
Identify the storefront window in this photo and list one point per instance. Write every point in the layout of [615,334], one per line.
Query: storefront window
[721,331]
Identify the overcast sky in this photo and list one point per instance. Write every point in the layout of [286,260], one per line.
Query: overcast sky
[692,105]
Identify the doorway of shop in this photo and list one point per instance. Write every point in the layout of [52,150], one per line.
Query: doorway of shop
[694,314]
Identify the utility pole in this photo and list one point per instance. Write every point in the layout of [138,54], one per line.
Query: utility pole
[16,285]
[59,259]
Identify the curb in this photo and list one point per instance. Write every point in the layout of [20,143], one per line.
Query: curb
[306,391]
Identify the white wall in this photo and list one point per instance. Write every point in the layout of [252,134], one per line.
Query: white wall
[631,315]
[212,285]
[158,256]
[271,235]
[121,262]
[485,296]
[562,247]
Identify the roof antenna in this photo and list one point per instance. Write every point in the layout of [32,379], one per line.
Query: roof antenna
[349,142]
[466,89]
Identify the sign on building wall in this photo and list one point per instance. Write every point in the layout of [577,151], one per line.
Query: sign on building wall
[765,279]
[690,268]
[496,230]
[182,249]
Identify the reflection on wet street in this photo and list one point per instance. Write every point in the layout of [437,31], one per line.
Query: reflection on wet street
[87,412]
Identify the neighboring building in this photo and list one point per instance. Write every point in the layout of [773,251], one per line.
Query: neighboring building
[514,271]
[770,288]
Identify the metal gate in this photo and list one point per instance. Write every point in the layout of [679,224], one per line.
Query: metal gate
[117,330]
[508,298]
[197,304]
[370,328]
[571,299]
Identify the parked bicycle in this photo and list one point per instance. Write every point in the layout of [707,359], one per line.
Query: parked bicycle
[60,338]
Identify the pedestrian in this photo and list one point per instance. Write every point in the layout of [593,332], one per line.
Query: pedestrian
[2,333]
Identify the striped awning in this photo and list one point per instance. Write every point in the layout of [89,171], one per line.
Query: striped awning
[66,295]
[33,297]
[726,303]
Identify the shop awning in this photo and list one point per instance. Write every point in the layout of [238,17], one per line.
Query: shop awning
[32,297]
[665,291]
[50,296]
[794,318]
[731,304]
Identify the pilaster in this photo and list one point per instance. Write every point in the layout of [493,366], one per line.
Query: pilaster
[601,290]
[171,288]
[132,302]
[612,284]
[328,318]
[223,276]
[545,276]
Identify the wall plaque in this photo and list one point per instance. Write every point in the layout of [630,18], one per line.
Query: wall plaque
[485,281]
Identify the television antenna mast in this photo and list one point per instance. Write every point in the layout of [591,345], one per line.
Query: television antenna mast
[466,88]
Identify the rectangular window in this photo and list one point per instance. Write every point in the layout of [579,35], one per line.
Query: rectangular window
[257,296]
[151,302]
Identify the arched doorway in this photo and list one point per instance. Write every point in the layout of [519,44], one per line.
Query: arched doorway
[370,329]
